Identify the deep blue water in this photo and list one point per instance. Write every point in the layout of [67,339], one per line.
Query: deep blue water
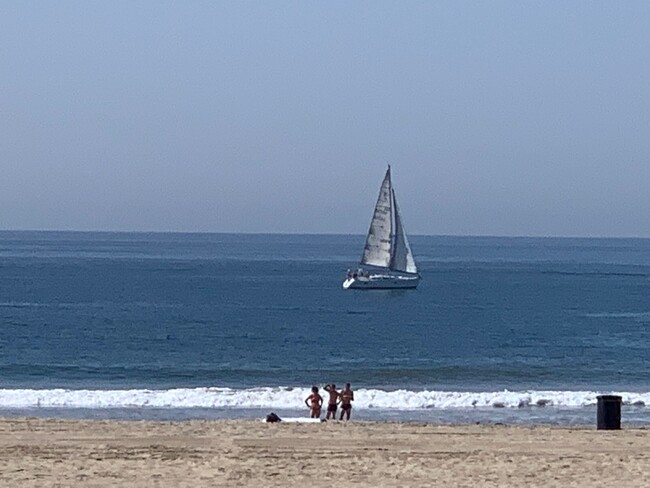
[134,310]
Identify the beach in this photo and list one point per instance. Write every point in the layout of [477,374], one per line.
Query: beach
[48,452]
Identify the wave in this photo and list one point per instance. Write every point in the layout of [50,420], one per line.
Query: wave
[619,315]
[290,398]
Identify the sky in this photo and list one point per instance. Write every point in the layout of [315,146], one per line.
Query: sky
[497,117]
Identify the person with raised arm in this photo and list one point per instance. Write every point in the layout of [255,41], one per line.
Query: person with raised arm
[333,402]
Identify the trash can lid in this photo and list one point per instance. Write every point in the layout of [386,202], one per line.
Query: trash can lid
[610,398]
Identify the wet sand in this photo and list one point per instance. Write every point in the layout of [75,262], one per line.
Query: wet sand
[39,453]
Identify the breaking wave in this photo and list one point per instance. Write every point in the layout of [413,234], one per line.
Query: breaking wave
[285,397]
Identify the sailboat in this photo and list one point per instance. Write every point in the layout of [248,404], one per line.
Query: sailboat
[387,254]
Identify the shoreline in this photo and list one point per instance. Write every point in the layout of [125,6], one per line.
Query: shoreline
[584,417]
[46,452]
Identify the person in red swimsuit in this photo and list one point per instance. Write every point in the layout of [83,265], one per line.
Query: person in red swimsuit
[314,402]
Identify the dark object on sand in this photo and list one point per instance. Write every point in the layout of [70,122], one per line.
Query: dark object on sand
[273,418]
[609,412]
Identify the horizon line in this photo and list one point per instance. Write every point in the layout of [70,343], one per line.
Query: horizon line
[180,232]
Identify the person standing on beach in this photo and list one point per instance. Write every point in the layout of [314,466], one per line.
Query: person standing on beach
[314,402]
[347,397]
[333,402]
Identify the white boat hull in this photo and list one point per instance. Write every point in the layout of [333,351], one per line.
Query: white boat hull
[381,282]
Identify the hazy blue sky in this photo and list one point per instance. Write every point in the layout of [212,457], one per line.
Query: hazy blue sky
[507,118]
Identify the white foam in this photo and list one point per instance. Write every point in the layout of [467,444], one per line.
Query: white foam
[293,398]
[298,420]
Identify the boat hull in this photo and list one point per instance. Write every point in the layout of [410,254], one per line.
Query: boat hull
[381,282]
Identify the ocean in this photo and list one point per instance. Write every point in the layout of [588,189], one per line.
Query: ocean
[175,326]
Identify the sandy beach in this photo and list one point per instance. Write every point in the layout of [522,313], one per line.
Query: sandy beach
[38,452]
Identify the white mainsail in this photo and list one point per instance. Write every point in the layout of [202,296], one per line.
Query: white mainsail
[377,251]
[402,254]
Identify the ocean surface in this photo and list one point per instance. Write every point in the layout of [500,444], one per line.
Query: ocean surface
[156,325]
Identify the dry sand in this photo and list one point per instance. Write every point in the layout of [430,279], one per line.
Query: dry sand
[40,453]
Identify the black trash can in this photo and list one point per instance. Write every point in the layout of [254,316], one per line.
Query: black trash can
[609,412]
